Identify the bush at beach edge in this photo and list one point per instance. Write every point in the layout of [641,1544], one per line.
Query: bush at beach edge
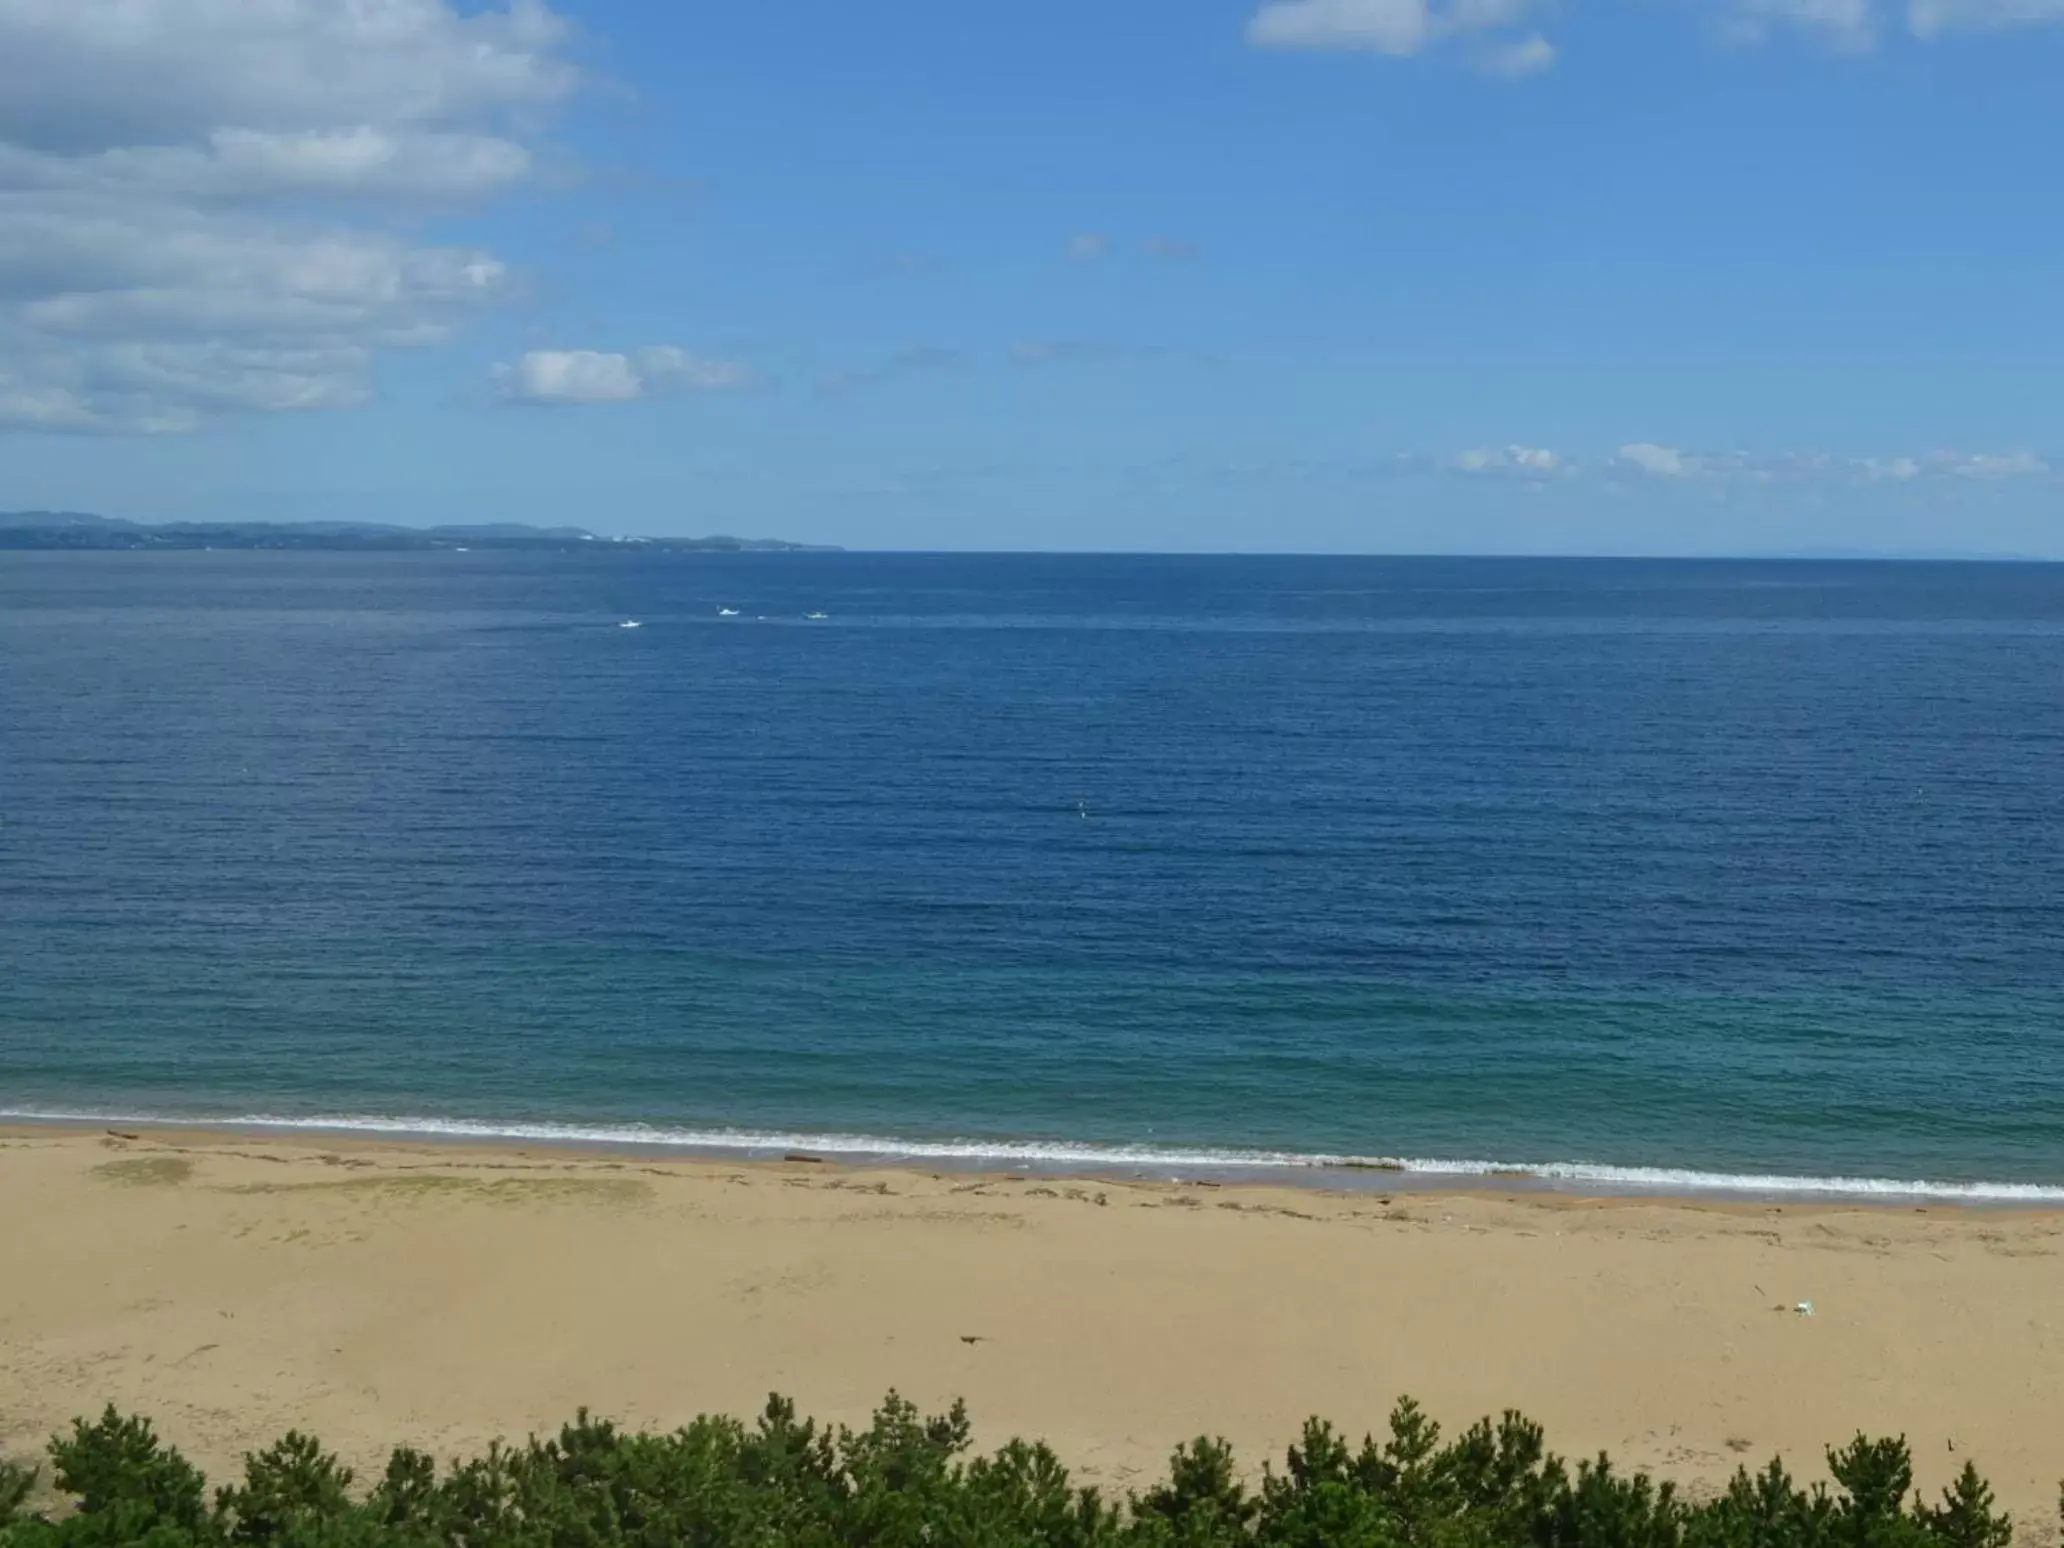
[911,1480]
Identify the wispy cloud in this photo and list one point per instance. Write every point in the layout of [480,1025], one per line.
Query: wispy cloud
[1402,28]
[1673,462]
[1850,26]
[1170,249]
[1654,463]
[1088,247]
[2013,465]
[1027,352]
[544,378]
[1399,28]
[1927,18]
[1856,25]
[1526,462]
[1513,61]
[913,360]
[905,265]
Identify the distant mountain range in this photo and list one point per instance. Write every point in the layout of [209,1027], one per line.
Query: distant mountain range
[80,530]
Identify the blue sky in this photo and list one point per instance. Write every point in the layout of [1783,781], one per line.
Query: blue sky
[1647,276]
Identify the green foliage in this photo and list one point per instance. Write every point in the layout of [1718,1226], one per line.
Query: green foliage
[287,1489]
[15,1484]
[121,1475]
[1876,1476]
[909,1480]
[1605,1510]
[1203,1501]
[1965,1518]
[1766,1511]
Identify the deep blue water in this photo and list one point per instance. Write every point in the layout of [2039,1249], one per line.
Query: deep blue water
[1743,868]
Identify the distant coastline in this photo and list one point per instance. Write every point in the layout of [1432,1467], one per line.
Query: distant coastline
[82,530]
[86,531]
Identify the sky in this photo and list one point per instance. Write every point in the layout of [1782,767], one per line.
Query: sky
[1518,276]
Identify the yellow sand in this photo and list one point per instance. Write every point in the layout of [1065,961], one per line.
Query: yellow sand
[233,1287]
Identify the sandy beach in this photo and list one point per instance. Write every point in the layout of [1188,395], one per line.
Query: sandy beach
[232,1287]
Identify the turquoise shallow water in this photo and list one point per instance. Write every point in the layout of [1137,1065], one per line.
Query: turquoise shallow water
[1667,874]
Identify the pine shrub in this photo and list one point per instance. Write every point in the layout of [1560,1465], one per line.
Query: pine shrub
[910,1480]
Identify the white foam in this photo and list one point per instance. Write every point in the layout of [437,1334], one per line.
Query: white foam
[1067,1155]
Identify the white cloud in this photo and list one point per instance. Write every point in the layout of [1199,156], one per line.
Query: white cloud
[1397,27]
[2011,465]
[548,377]
[1662,461]
[1646,459]
[1508,462]
[1088,247]
[1855,24]
[570,376]
[360,161]
[667,369]
[1380,26]
[102,271]
[168,387]
[191,194]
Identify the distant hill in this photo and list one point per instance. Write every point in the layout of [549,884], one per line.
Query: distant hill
[82,530]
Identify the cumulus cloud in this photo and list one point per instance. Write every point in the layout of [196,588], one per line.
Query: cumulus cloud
[79,77]
[1662,461]
[548,377]
[192,195]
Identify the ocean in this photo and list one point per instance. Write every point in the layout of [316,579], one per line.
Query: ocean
[1666,875]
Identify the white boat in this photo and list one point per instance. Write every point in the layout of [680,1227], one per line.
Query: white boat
[630,623]
[727,612]
[816,616]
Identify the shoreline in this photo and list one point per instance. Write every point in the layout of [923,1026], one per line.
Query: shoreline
[1347,1188]
[371,1292]
[1064,1160]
